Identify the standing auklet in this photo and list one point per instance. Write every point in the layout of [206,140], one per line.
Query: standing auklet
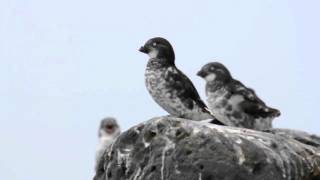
[169,87]
[230,101]
[109,130]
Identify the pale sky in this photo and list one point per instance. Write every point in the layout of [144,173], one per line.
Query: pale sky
[64,65]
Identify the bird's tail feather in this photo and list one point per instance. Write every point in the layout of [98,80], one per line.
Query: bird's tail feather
[273,112]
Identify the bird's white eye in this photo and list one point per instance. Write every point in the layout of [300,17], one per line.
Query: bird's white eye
[154,44]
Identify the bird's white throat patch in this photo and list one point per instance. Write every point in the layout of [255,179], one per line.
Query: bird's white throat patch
[153,53]
[105,135]
[211,77]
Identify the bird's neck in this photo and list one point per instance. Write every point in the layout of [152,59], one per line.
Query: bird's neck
[214,85]
[160,63]
[220,80]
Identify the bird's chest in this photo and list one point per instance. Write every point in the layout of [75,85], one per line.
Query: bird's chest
[159,84]
[225,105]
[225,100]
[218,98]
[161,88]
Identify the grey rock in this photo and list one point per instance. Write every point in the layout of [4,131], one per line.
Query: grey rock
[303,137]
[167,148]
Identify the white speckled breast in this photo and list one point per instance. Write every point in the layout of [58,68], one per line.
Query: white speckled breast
[157,87]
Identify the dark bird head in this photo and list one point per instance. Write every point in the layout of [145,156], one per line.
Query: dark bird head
[215,71]
[109,127]
[158,48]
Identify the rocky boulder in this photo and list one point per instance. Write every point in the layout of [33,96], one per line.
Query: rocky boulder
[167,148]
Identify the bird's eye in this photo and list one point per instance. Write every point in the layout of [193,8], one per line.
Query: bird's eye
[154,44]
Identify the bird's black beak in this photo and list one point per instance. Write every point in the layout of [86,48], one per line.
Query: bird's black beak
[201,74]
[143,49]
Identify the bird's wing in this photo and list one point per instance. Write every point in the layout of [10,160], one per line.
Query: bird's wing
[252,104]
[236,87]
[186,90]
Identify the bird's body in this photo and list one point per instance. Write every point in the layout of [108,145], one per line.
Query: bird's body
[227,107]
[231,101]
[174,92]
[169,87]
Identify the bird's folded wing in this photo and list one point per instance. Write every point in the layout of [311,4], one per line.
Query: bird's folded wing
[252,104]
[186,90]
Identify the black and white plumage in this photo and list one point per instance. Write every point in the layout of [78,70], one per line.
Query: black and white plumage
[108,131]
[169,87]
[231,101]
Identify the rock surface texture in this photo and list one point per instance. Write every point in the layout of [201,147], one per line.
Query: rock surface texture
[168,148]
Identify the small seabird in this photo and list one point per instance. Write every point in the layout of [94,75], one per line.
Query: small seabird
[108,131]
[231,101]
[170,87]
